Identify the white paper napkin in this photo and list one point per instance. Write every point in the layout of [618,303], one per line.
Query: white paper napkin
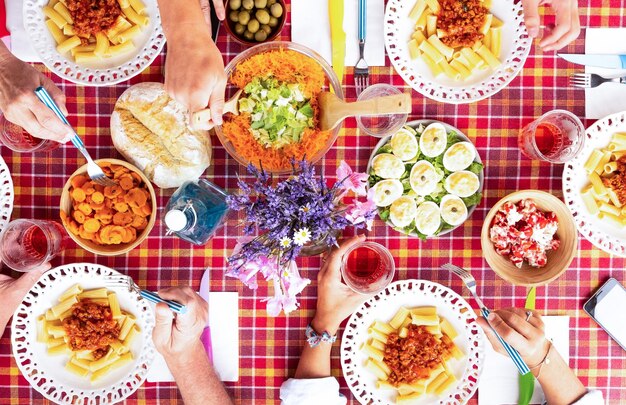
[20,44]
[499,382]
[609,98]
[224,323]
[310,27]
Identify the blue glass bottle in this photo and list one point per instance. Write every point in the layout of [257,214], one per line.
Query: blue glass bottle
[195,211]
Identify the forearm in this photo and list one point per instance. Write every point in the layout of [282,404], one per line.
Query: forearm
[196,378]
[559,383]
[179,16]
[315,361]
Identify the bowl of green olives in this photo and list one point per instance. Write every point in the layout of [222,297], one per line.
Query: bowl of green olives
[254,21]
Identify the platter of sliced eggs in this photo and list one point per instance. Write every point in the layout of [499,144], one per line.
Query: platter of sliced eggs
[426,179]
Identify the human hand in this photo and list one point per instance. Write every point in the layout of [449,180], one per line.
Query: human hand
[12,291]
[527,337]
[220,11]
[176,336]
[194,71]
[20,105]
[335,300]
[566,29]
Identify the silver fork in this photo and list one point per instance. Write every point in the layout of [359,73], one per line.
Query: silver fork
[93,170]
[361,70]
[589,80]
[127,282]
[470,282]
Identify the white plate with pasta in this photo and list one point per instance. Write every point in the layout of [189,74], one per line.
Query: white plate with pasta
[459,73]
[454,383]
[123,50]
[599,213]
[41,343]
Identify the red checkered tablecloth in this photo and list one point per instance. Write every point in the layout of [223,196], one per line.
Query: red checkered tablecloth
[270,347]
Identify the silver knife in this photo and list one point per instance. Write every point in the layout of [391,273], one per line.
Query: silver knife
[206,333]
[600,60]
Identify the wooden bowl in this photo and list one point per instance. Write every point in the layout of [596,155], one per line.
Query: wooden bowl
[558,260]
[230,26]
[109,250]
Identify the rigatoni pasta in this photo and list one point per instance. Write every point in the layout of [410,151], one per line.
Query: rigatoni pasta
[107,37]
[605,195]
[387,348]
[101,347]
[442,47]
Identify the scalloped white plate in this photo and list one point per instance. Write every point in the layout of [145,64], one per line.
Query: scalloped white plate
[6,195]
[411,294]
[46,373]
[148,43]
[481,84]
[602,234]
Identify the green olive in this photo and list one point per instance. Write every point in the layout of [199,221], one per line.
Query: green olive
[273,22]
[253,26]
[277,10]
[263,16]
[247,4]
[260,3]
[239,29]
[248,35]
[234,16]
[234,4]
[260,36]
[267,29]
[270,2]
[244,17]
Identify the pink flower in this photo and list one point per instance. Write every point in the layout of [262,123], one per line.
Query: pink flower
[246,271]
[361,212]
[351,181]
[286,287]
[280,301]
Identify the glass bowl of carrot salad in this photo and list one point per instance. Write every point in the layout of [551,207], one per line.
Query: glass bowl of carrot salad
[278,109]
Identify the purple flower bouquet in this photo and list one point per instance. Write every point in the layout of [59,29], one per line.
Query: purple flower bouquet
[281,218]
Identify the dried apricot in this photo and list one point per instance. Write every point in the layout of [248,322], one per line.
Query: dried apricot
[78,195]
[78,181]
[97,197]
[92,225]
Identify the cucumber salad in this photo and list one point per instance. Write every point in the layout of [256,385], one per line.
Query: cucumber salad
[425,180]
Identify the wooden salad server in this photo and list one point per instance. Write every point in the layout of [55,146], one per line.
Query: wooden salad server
[333,110]
[202,119]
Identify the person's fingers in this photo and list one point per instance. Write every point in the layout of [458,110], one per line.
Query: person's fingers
[493,339]
[535,319]
[506,332]
[48,120]
[220,11]
[570,36]
[216,102]
[205,6]
[57,95]
[182,295]
[563,25]
[25,118]
[531,17]
[162,331]
[334,259]
[27,280]
[519,324]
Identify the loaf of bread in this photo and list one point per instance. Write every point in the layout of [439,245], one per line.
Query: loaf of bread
[151,130]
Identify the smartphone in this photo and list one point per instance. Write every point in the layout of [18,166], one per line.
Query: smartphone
[606,306]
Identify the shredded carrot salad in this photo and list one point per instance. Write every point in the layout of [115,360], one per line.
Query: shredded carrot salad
[290,67]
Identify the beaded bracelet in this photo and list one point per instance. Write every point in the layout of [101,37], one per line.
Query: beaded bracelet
[314,339]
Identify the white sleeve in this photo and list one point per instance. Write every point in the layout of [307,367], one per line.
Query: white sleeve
[591,398]
[311,391]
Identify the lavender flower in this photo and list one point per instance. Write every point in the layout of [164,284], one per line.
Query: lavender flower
[282,218]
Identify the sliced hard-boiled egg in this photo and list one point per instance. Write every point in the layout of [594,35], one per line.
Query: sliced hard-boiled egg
[428,218]
[459,156]
[424,178]
[433,140]
[453,210]
[387,191]
[388,166]
[462,184]
[403,211]
[404,144]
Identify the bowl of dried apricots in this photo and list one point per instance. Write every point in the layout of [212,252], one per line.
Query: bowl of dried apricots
[111,220]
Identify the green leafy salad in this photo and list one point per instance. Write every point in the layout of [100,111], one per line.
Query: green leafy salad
[424,180]
[279,112]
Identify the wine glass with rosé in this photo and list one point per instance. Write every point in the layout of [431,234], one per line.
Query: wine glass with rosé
[368,267]
[556,137]
[17,139]
[28,243]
